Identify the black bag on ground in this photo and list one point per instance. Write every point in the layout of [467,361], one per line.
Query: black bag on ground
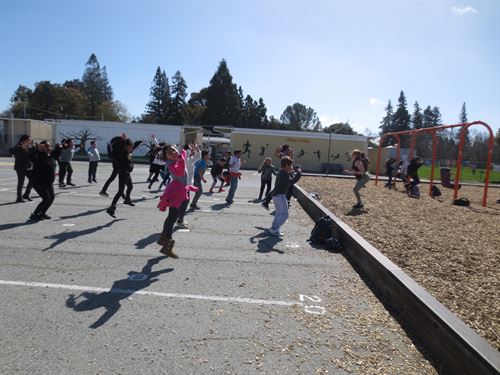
[435,192]
[332,244]
[461,202]
[323,229]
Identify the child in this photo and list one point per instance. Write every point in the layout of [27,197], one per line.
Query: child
[199,170]
[359,170]
[67,153]
[266,170]
[43,179]
[217,175]
[94,159]
[412,179]
[175,196]
[234,173]
[23,166]
[281,186]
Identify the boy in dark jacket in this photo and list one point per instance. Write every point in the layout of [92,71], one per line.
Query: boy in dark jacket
[43,179]
[23,166]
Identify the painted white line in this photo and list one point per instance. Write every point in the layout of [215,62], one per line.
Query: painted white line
[4,190]
[68,225]
[151,293]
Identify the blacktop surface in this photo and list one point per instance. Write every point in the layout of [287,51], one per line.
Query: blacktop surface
[83,293]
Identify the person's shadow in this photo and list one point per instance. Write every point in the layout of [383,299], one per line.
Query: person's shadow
[15,225]
[120,290]
[356,211]
[219,206]
[142,243]
[266,242]
[65,236]
[86,213]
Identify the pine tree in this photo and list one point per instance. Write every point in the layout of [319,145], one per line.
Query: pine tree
[436,117]
[223,101]
[428,118]
[463,115]
[417,117]
[178,102]
[386,125]
[106,87]
[158,107]
[96,85]
[262,113]
[463,119]
[401,118]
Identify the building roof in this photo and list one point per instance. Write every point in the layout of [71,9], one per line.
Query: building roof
[301,134]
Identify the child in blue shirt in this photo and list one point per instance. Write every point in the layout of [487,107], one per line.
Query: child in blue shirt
[199,170]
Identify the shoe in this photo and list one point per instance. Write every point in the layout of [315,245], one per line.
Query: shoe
[34,217]
[149,186]
[104,194]
[211,190]
[45,217]
[89,181]
[275,233]
[27,198]
[195,207]
[358,205]
[20,200]
[168,249]
[265,205]
[62,185]
[221,190]
[94,181]
[111,211]
[229,202]
[128,202]
[70,184]
[163,241]
[183,224]
[124,196]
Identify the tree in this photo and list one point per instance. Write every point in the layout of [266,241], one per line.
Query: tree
[401,119]
[340,128]
[428,118]
[20,100]
[222,98]
[436,117]
[158,107]
[262,114]
[178,101]
[299,117]
[462,117]
[113,111]
[417,119]
[250,117]
[386,125]
[96,85]
[81,137]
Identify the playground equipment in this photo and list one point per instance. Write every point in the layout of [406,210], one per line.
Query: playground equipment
[414,133]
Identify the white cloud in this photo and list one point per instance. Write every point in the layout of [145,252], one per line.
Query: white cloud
[327,120]
[374,101]
[460,11]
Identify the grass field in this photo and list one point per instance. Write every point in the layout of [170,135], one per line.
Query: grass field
[466,175]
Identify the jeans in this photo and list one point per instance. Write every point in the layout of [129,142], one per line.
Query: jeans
[92,170]
[124,179]
[46,192]
[197,195]
[359,184]
[232,189]
[110,179]
[263,184]
[65,168]
[20,183]
[280,211]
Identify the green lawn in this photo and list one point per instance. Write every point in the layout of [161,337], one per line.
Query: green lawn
[467,176]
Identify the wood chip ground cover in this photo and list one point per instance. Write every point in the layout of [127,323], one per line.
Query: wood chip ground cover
[452,251]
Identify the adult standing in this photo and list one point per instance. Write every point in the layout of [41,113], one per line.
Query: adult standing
[23,166]
[43,179]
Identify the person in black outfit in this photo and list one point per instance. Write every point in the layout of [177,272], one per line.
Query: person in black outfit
[23,166]
[122,157]
[43,179]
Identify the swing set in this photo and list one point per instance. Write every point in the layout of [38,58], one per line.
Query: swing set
[414,133]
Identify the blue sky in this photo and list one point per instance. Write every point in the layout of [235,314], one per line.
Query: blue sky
[345,59]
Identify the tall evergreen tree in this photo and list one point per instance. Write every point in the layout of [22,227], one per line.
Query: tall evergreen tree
[417,118]
[96,85]
[158,107]
[178,102]
[428,118]
[262,113]
[401,118]
[386,124]
[463,115]
[223,101]
[463,119]
[436,117]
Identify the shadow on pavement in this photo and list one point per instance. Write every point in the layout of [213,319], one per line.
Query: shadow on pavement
[15,225]
[219,206]
[86,213]
[266,242]
[65,236]
[120,290]
[356,212]
[152,238]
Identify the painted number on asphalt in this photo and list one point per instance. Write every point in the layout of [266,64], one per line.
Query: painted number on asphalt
[312,309]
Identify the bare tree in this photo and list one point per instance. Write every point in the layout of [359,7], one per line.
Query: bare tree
[81,137]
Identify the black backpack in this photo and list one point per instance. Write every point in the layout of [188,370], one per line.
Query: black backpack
[323,230]
[333,245]
[435,192]
[461,202]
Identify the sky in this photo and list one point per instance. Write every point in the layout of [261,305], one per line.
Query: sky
[345,59]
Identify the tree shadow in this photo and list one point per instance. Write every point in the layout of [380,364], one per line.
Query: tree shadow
[15,225]
[266,242]
[86,213]
[65,236]
[142,243]
[120,290]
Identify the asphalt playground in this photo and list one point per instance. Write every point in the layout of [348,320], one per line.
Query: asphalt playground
[84,293]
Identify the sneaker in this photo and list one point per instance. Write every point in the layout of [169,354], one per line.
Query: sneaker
[89,181]
[265,205]
[19,200]
[195,207]
[221,190]
[70,184]
[229,202]
[183,224]
[129,203]
[104,194]
[62,185]
[45,217]
[211,190]
[111,211]
[94,181]
[275,233]
[34,217]
[27,198]
[358,205]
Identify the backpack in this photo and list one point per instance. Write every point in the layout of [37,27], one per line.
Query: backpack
[333,245]
[323,230]
[461,202]
[435,192]
[365,162]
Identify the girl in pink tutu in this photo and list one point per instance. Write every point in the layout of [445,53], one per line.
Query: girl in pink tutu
[175,196]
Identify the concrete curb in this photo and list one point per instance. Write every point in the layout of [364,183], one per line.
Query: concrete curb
[454,343]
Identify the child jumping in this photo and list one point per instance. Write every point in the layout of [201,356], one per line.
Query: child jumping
[282,184]
[175,197]
[266,171]
[359,170]
[217,174]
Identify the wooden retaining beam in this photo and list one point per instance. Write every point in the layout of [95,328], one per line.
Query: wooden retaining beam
[454,343]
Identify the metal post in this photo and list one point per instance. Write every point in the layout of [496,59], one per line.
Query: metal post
[377,168]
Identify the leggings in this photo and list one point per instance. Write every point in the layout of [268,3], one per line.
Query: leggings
[21,174]
[359,184]
[46,192]
[173,216]
[110,179]
[124,179]
[263,184]
[217,178]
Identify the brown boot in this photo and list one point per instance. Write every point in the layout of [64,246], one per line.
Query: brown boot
[163,240]
[168,249]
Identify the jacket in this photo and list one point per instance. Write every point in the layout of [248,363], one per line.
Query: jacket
[43,169]
[22,161]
